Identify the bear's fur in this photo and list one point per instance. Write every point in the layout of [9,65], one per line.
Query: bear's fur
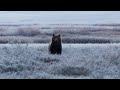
[55,46]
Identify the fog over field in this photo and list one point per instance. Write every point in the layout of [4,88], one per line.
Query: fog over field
[90,44]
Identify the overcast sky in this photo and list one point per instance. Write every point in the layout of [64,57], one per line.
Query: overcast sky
[67,17]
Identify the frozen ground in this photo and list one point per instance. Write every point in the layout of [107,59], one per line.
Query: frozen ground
[78,61]
[71,33]
[74,26]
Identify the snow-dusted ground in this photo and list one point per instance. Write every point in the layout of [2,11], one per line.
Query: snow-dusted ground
[74,26]
[78,61]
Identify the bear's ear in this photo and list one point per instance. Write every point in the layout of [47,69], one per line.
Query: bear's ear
[53,34]
[59,35]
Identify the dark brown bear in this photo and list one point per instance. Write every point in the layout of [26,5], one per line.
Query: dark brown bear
[55,46]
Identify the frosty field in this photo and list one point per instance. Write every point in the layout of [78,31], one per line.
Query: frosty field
[90,45]
[78,61]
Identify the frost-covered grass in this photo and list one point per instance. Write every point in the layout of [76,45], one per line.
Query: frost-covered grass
[78,61]
[71,33]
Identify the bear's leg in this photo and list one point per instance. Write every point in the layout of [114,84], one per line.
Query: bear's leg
[59,52]
[53,52]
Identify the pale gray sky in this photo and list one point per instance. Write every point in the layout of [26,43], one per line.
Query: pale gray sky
[69,17]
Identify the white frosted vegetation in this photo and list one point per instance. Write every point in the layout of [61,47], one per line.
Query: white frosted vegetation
[78,61]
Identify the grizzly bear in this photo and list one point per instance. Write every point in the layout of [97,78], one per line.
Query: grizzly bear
[55,46]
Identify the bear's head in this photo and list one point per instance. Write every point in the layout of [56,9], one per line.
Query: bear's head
[56,38]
